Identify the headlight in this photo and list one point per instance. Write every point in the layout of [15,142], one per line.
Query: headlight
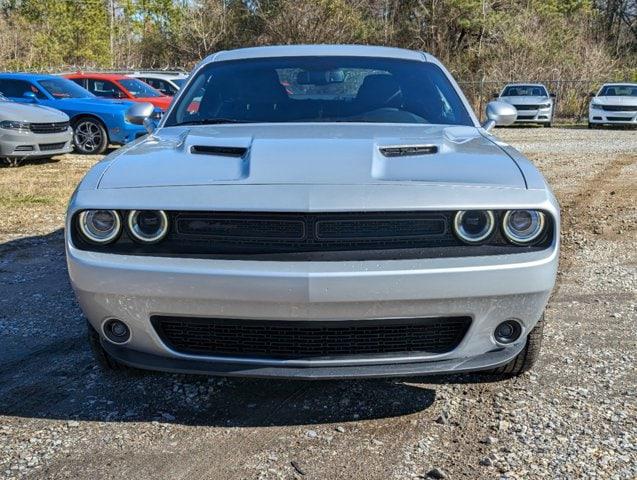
[545,105]
[14,125]
[523,226]
[148,226]
[473,226]
[595,105]
[100,226]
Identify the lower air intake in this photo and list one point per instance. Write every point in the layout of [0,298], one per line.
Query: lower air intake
[277,339]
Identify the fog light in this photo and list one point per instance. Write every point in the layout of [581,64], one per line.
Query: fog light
[116,331]
[507,332]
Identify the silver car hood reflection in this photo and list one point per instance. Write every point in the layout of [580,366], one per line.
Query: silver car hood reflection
[332,154]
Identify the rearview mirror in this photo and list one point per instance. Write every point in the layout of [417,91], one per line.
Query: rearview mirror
[499,114]
[320,77]
[139,112]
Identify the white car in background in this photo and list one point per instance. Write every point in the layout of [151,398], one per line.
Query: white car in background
[533,102]
[614,104]
[167,83]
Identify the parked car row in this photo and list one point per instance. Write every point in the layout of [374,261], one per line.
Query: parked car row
[613,104]
[88,110]
[46,115]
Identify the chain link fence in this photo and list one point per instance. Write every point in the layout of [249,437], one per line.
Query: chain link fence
[571,102]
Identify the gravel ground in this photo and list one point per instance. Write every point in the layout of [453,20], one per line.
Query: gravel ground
[574,416]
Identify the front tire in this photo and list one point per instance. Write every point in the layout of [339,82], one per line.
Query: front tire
[527,358]
[89,136]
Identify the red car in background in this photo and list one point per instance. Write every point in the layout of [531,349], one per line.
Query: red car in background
[113,85]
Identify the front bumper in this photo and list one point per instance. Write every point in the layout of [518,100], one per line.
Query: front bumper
[125,133]
[28,144]
[544,115]
[604,117]
[488,289]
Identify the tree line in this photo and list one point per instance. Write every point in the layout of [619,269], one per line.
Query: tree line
[476,39]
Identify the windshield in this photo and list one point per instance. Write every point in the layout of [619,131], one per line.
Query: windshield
[618,91]
[320,89]
[525,91]
[139,89]
[63,88]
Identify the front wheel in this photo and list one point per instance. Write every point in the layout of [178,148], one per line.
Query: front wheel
[525,360]
[89,136]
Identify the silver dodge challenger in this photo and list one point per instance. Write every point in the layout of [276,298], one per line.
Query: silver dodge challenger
[316,212]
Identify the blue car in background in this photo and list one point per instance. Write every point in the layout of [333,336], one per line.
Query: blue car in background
[96,122]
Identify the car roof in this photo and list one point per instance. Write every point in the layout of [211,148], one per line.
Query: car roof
[316,50]
[620,84]
[525,85]
[162,75]
[100,76]
[26,76]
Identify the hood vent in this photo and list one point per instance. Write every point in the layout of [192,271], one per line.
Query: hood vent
[216,150]
[408,150]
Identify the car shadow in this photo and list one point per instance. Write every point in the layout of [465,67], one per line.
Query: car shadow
[29,161]
[48,371]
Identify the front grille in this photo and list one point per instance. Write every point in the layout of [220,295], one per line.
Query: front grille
[527,107]
[526,117]
[267,233]
[51,146]
[49,127]
[619,119]
[278,339]
[620,108]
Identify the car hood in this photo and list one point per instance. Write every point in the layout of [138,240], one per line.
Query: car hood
[334,154]
[525,100]
[30,113]
[616,100]
[91,102]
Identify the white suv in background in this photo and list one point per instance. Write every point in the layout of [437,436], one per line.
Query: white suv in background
[532,101]
[167,83]
[614,104]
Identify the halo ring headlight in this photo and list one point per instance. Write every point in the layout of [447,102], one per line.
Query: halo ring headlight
[100,226]
[148,226]
[474,226]
[522,227]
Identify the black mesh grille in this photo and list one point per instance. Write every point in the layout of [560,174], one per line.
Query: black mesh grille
[309,339]
[51,146]
[620,108]
[271,232]
[49,127]
[527,107]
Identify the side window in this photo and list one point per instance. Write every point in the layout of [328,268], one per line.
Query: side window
[104,88]
[80,81]
[161,85]
[17,88]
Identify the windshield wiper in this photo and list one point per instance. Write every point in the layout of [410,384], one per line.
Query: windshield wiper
[211,121]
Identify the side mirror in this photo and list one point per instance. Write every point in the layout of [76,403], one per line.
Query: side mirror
[495,95]
[139,112]
[499,114]
[592,94]
[30,96]
[552,95]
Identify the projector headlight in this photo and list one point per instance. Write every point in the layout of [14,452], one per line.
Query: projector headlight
[100,226]
[522,227]
[474,226]
[148,226]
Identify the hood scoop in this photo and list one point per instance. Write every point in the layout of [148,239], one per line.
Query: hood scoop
[408,150]
[237,152]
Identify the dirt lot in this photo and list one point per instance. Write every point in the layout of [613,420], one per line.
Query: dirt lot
[574,416]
